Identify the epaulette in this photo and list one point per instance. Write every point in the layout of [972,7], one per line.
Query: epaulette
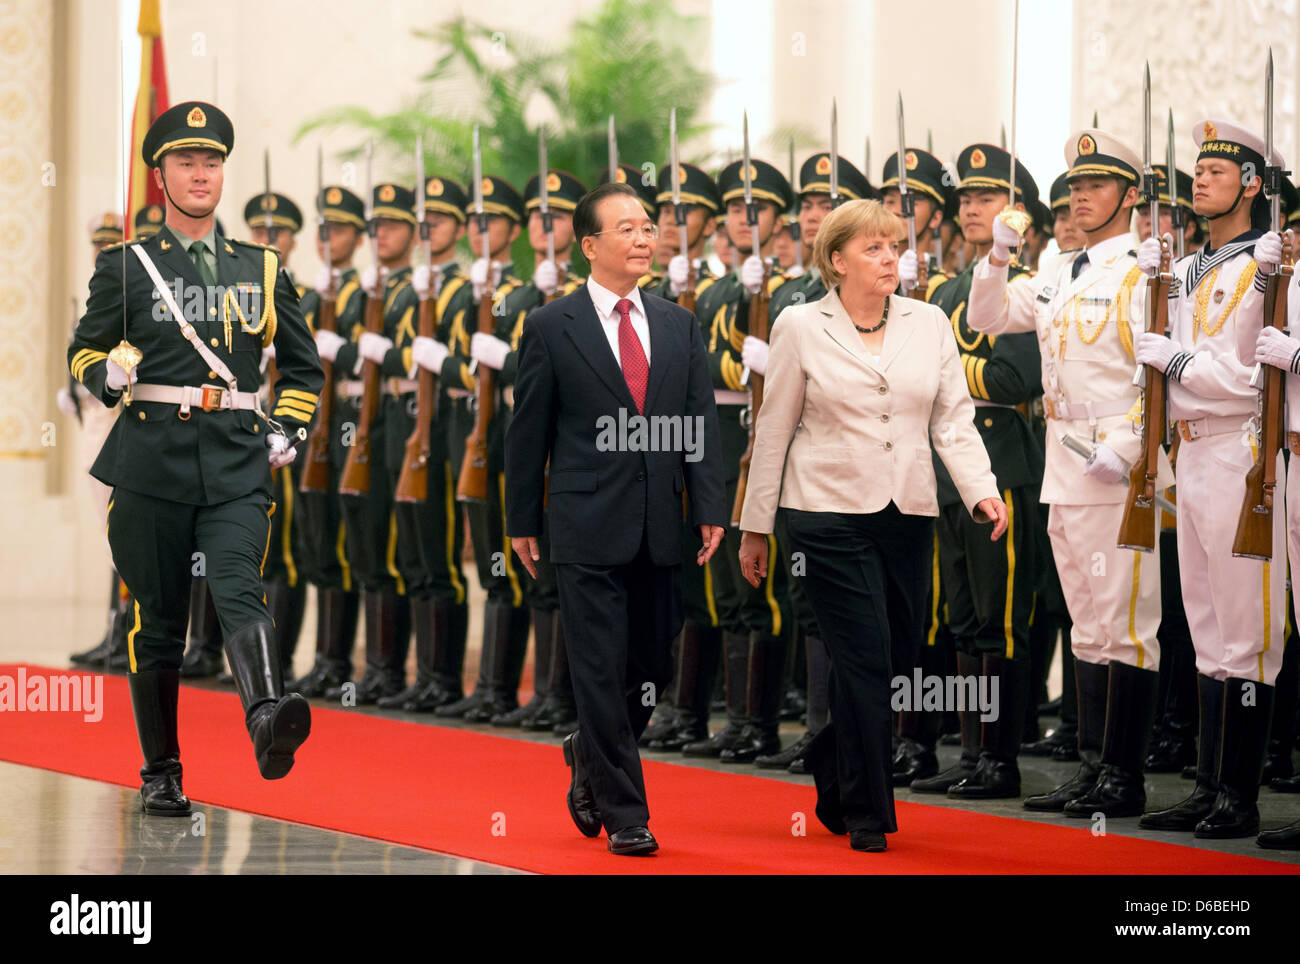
[652,276]
[122,244]
[265,247]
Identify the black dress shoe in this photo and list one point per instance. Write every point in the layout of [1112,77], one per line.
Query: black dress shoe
[913,762]
[1072,789]
[1117,793]
[1048,745]
[1285,838]
[1182,817]
[431,697]
[783,760]
[726,738]
[867,840]
[633,842]
[1067,753]
[1171,754]
[1232,816]
[992,779]
[753,743]
[680,736]
[940,782]
[581,801]
[1286,784]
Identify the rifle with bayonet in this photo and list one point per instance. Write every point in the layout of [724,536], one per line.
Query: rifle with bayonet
[316,467]
[413,481]
[1137,529]
[355,479]
[687,298]
[796,236]
[473,484]
[907,204]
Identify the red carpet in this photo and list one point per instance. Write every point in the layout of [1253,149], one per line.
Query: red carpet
[448,790]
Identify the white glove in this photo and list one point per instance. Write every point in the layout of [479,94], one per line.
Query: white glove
[117,378]
[1268,252]
[546,278]
[751,274]
[488,350]
[268,353]
[324,277]
[370,282]
[1276,349]
[280,452]
[479,278]
[907,270]
[754,353]
[794,271]
[67,405]
[679,274]
[429,354]
[1149,256]
[373,346]
[1161,353]
[1004,239]
[328,344]
[1106,465]
[421,281]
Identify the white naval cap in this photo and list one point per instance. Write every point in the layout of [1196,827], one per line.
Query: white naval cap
[1095,153]
[1219,138]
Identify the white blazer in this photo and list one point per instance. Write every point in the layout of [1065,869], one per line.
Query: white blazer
[839,432]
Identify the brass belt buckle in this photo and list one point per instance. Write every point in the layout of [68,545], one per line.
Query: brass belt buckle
[212,397]
[1184,430]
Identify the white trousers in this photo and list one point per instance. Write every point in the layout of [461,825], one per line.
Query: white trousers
[1113,594]
[1236,608]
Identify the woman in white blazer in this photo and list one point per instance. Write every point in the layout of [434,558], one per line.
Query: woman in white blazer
[843,451]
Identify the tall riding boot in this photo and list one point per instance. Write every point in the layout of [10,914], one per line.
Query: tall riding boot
[818,669]
[1247,715]
[558,710]
[155,694]
[496,614]
[1130,707]
[203,657]
[1278,765]
[380,677]
[697,665]
[543,639]
[794,701]
[1175,750]
[1186,815]
[1092,681]
[663,721]
[969,721]
[336,633]
[277,724]
[287,614]
[736,653]
[423,628]
[997,775]
[99,653]
[764,688]
[440,655]
[918,731]
[507,666]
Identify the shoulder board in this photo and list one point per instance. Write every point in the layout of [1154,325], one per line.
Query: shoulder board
[123,244]
[253,244]
[935,279]
[653,276]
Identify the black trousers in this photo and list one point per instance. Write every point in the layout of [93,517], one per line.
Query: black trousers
[158,546]
[867,578]
[619,623]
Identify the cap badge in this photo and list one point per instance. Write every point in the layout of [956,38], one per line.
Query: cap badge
[1210,131]
[824,164]
[386,193]
[333,196]
[1087,145]
[434,187]
[487,185]
[977,158]
[553,179]
[911,160]
[196,118]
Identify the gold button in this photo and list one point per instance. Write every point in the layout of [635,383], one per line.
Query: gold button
[142,413]
[988,422]
[258,428]
[212,374]
[214,341]
[213,311]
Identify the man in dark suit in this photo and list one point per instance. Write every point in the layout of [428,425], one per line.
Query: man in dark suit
[613,387]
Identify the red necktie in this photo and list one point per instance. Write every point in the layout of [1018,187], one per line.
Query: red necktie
[636,370]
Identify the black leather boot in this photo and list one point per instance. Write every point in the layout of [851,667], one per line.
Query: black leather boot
[1092,681]
[969,723]
[1278,765]
[1130,707]
[997,775]
[388,627]
[735,649]
[785,759]
[1247,716]
[915,759]
[423,629]
[818,667]
[336,633]
[558,712]
[543,643]
[155,695]
[697,661]
[99,654]
[1284,838]
[278,724]
[507,666]
[203,656]
[764,689]
[495,619]
[1186,815]
[286,603]
[663,721]
[447,625]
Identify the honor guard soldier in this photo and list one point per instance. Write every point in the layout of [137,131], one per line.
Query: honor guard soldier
[989,586]
[551,279]
[367,497]
[930,185]
[148,222]
[1235,606]
[505,615]
[1087,314]
[324,558]
[755,622]
[190,458]
[94,422]
[702,204]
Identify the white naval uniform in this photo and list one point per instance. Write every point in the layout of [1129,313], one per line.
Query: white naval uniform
[1235,607]
[1086,329]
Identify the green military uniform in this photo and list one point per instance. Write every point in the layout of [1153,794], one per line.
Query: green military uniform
[989,586]
[188,458]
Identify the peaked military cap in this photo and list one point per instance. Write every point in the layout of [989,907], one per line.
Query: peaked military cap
[635,179]
[393,201]
[499,198]
[985,167]
[1095,153]
[768,184]
[444,195]
[815,178]
[106,229]
[192,124]
[1060,193]
[341,205]
[696,187]
[149,221]
[1232,142]
[1184,187]
[284,213]
[925,173]
[563,191]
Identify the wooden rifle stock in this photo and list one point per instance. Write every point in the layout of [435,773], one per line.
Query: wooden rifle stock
[922,277]
[413,481]
[1137,530]
[473,486]
[1254,538]
[355,479]
[758,315]
[316,467]
[687,298]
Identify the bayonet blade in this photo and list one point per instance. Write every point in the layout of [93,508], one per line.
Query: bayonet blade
[675,160]
[792,180]
[929,140]
[266,195]
[1146,116]
[904,198]
[419,178]
[744,173]
[543,171]
[835,154]
[612,139]
[478,174]
[866,158]
[1015,76]
[370,189]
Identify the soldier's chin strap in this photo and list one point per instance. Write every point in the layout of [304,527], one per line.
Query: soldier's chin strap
[1231,207]
[188,214]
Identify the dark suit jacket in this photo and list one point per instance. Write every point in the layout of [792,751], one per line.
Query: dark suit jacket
[568,388]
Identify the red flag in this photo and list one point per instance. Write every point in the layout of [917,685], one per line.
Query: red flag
[150,101]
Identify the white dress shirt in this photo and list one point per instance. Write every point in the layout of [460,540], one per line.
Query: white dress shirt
[606,303]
